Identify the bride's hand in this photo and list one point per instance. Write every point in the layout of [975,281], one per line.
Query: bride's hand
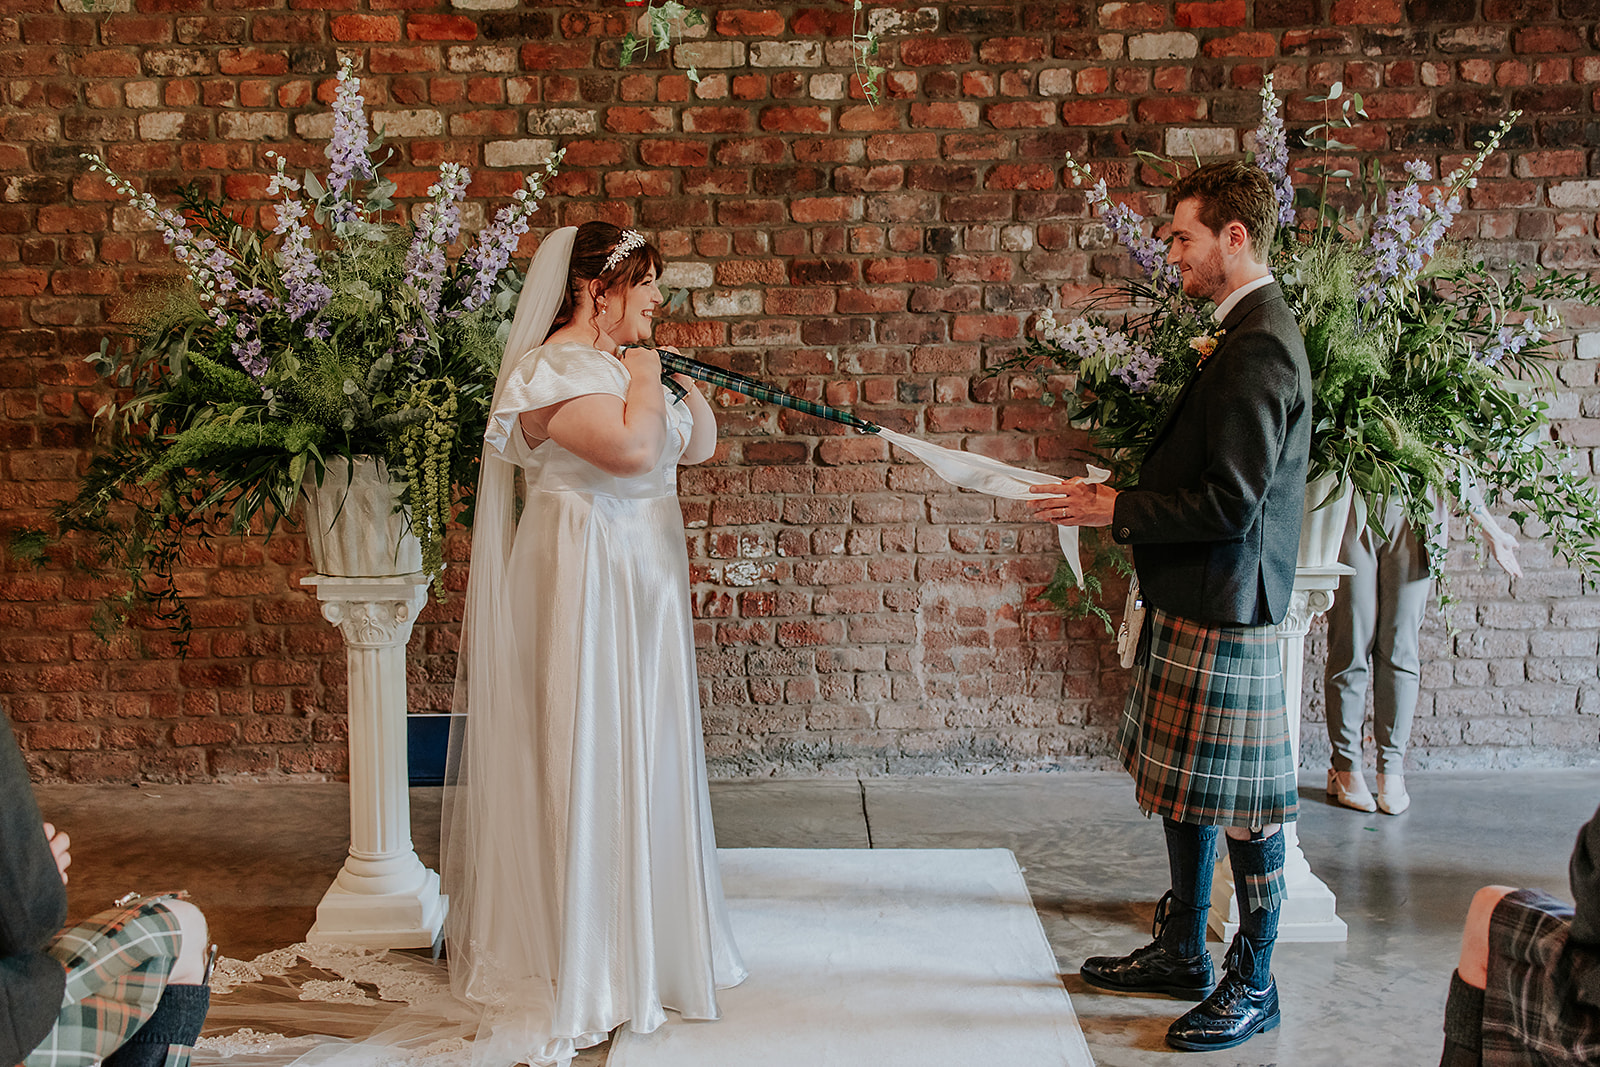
[643,364]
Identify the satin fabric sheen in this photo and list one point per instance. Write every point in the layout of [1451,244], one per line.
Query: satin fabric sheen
[590,895]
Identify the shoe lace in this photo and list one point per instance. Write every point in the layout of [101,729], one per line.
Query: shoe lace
[1158,925]
[1241,957]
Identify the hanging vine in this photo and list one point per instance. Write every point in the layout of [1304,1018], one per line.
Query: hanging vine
[663,22]
[425,444]
[864,50]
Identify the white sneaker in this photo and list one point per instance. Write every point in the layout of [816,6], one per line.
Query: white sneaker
[1350,789]
[1392,795]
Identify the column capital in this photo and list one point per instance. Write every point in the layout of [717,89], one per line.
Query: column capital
[371,612]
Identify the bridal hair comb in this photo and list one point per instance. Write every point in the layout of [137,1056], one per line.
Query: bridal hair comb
[631,242]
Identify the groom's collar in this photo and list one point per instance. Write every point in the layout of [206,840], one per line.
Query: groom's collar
[1233,298]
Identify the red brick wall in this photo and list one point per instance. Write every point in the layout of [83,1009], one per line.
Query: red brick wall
[853,614]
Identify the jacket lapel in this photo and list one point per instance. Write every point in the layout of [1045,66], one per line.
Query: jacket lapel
[1248,303]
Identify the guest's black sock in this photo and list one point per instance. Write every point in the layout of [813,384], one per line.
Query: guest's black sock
[1258,882]
[1191,854]
[1463,1025]
[176,1022]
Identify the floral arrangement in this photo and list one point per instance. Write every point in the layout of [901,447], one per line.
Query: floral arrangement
[1424,363]
[275,352]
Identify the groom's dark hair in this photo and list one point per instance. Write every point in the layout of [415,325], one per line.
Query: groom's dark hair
[1233,192]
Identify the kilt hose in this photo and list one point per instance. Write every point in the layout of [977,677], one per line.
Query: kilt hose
[117,964]
[1205,732]
[1531,1013]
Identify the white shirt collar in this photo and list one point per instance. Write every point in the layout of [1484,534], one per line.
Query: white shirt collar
[1237,295]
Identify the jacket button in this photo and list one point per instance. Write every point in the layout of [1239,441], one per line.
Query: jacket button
[1124,533]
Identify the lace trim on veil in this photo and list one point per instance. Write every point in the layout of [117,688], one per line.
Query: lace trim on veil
[334,1005]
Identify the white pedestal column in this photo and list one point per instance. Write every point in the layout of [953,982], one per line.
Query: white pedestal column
[1308,906]
[384,897]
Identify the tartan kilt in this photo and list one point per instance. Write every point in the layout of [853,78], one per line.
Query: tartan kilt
[1205,732]
[1531,1013]
[117,964]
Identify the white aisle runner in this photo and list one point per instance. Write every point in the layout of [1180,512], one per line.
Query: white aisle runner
[878,958]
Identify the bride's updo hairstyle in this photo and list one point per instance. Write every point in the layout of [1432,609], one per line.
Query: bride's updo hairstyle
[592,246]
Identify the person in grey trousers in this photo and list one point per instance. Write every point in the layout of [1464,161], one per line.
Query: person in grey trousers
[1377,616]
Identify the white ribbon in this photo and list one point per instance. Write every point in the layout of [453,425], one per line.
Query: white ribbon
[984,475]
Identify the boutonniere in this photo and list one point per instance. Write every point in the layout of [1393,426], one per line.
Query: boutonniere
[1205,344]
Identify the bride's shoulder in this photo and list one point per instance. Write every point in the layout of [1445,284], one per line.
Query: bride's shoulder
[575,363]
[571,352]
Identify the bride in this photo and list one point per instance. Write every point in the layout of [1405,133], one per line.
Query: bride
[578,851]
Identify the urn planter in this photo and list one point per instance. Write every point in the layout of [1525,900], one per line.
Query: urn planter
[355,523]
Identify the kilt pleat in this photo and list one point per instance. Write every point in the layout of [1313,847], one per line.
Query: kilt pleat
[1531,1012]
[117,963]
[1205,732]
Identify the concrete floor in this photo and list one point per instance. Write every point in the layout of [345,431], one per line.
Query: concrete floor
[257,858]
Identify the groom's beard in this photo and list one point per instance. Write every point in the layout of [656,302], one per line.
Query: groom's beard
[1206,278]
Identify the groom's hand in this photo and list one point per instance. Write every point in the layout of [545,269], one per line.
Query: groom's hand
[1075,503]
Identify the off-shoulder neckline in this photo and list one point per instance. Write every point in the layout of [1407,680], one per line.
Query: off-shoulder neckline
[588,347]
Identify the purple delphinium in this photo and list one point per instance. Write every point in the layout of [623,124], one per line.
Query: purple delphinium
[1139,372]
[347,151]
[1405,234]
[499,239]
[208,266]
[1097,352]
[1509,340]
[248,353]
[439,225]
[1272,151]
[1127,226]
[297,260]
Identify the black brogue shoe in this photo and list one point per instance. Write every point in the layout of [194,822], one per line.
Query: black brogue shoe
[1151,969]
[1231,1015]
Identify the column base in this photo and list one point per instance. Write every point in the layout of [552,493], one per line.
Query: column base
[1308,914]
[411,919]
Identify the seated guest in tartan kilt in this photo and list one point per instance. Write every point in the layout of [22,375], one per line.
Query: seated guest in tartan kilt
[126,987]
[1215,528]
[1527,990]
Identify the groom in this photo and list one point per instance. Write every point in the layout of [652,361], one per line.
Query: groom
[1215,529]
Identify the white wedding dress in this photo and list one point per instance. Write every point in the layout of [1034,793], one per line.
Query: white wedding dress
[580,864]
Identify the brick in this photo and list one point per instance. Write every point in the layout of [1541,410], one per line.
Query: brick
[435,27]
[1002,50]
[1167,110]
[1094,112]
[1366,12]
[749,23]
[638,119]
[903,146]
[252,61]
[936,52]
[133,29]
[1254,44]
[385,28]
[1148,46]
[288,29]
[1575,194]
[1548,39]
[1133,16]
[796,119]
[538,56]
[1209,13]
